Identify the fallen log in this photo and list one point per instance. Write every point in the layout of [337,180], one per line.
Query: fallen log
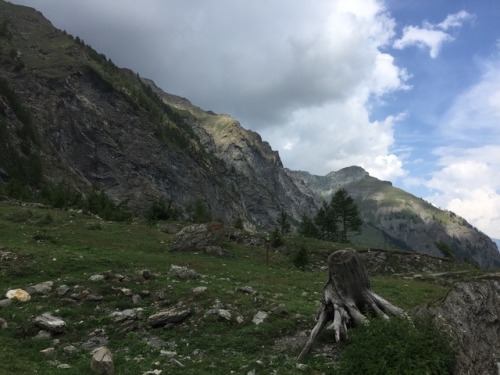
[347,297]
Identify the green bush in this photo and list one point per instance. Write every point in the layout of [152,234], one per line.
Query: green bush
[397,347]
[198,212]
[160,210]
[100,204]
[276,238]
[301,259]
[238,224]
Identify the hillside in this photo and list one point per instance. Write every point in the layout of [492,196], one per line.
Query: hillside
[69,115]
[73,124]
[395,218]
[109,281]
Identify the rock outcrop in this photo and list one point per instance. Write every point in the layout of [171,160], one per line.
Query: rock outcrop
[471,314]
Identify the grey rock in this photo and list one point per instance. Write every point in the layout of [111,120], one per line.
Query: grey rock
[182,272]
[94,298]
[43,335]
[102,361]
[246,289]
[50,323]
[41,288]
[199,290]
[5,302]
[70,349]
[217,251]
[94,342]
[197,237]
[221,313]
[259,317]
[62,290]
[172,315]
[471,314]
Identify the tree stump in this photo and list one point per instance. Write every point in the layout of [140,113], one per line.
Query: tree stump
[346,295]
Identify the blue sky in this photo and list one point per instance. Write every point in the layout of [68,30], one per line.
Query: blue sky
[407,89]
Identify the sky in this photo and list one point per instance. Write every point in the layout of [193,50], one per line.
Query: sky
[409,90]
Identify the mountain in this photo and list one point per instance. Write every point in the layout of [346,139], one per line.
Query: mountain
[70,117]
[86,123]
[393,217]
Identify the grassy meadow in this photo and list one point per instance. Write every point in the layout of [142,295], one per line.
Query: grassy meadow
[38,244]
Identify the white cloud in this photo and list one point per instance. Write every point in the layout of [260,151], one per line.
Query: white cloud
[455,20]
[468,184]
[302,74]
[431,36]
[467,180]
[475,114]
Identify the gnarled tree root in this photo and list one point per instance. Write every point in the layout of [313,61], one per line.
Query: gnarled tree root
[347,293]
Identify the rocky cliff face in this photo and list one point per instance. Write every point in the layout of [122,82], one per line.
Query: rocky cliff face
[99,126]
[470,314]
[397,218]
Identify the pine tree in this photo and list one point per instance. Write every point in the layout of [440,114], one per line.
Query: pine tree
[347,215]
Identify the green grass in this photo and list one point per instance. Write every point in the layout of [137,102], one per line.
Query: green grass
[68,247]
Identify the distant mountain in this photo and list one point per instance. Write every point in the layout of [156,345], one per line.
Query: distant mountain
[70,117]
[396,218]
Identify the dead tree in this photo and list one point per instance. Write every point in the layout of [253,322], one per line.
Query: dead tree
[346,294]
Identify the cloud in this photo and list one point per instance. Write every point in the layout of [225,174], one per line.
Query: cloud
[304,75]
[432,36]
[467,177]
[468,184]
[475,114]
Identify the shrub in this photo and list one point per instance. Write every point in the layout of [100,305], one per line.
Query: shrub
[301,259]
[159,210]
[199,213]
[100,204]
[397,347]
[238,224]
[276,238]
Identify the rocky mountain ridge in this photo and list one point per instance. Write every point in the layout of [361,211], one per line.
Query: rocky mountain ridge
[397,218]
[68,115]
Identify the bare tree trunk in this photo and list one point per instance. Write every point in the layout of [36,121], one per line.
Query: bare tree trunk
[347,293]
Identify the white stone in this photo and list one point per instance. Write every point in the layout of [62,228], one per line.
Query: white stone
[259,317]
[18,294]
[199,290]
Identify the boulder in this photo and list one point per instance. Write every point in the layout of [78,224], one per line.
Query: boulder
[172,315]
[42,288]
[50,323]
[5,302]
[18,294]
[197,237]
[94,343]
[181,272]
[102,361]
[471,313]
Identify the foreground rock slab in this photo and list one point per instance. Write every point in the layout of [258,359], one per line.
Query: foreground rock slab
[172,315]
[471,313]
[50,323]
[102,361]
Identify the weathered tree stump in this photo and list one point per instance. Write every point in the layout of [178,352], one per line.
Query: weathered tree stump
[346,294]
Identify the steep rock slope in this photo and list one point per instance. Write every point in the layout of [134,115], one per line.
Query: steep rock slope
[395,217]
[91,124]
